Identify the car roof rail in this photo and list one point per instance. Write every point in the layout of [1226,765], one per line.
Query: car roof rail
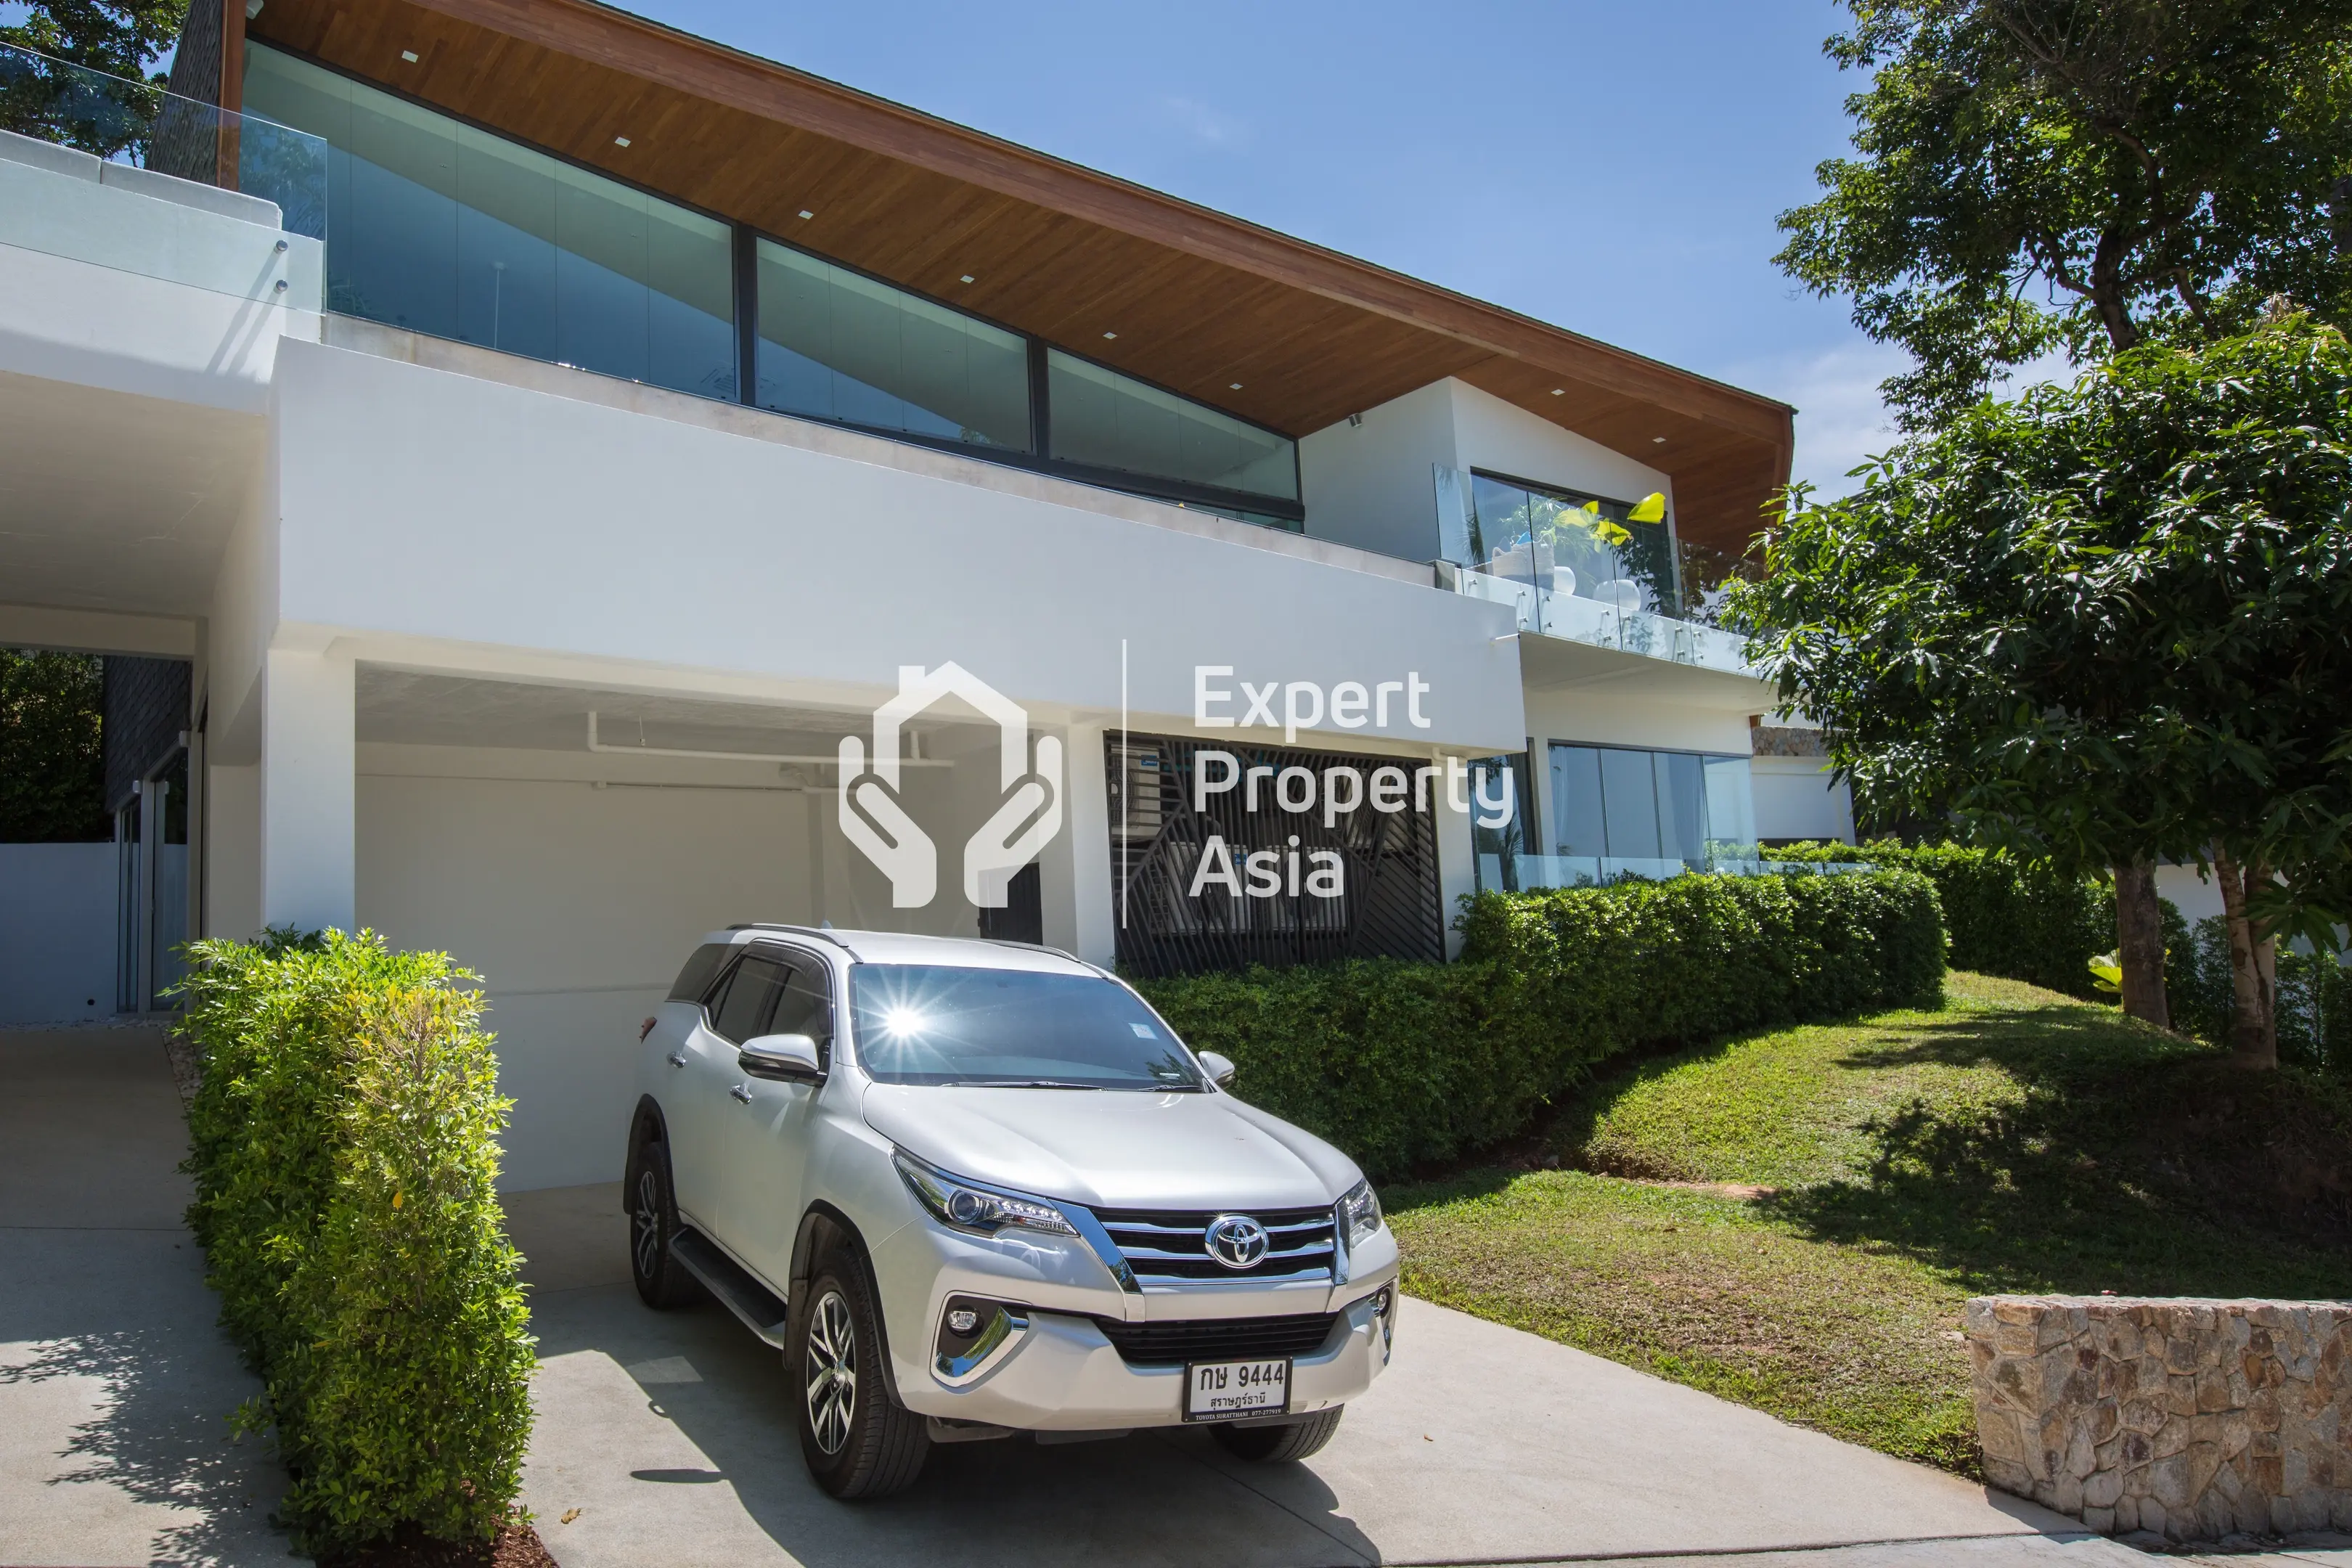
[821,935]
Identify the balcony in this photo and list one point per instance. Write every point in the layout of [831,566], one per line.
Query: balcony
[1603,574]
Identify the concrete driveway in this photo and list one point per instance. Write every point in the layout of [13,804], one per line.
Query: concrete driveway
[662,1437]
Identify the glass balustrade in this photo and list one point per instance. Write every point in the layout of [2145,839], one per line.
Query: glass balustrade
[1608,574]
[78,132]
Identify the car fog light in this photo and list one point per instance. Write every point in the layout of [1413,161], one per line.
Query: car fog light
[963,1320]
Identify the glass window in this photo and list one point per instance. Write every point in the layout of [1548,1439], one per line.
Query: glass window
[1682,807]
[1578,826]
[929,1024]
[1111,421]
[806,1005]
[749,1000]
[1731,803]
[439,227]
[694,979]
[1651,810]
[1629,797]
[835,344]
[1497,850]
[1573,544]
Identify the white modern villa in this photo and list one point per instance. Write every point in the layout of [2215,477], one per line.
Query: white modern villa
[546,441]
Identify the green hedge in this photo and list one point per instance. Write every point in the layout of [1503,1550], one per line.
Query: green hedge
[343,1155]
[2006,918]
[1405,1064]
[2313,1002]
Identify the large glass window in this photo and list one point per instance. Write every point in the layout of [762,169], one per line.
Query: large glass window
[439,227]
[1618,811]
[1576,545]
[837,344]
[1106,420]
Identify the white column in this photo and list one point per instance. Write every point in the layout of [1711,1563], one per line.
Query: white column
[1457,872]
[1074,870]
[309,812]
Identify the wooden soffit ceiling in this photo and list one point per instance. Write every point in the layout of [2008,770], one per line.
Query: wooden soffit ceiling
[1199,300]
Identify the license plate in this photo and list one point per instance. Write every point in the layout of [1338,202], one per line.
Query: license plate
[1222,1390]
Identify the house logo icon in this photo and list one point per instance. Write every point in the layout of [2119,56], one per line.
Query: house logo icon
[1025,819]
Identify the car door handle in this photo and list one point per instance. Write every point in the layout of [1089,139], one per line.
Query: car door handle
[742,1091]
[677,1058]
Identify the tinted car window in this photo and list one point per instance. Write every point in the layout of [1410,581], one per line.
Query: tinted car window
[749,1000]
[928,1023]
[695,978]
[806,1007]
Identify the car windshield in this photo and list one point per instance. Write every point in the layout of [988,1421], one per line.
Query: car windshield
[933,1024]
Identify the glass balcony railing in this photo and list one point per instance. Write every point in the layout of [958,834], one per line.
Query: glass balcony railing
[218,164]
[1606,574]
[1527,872]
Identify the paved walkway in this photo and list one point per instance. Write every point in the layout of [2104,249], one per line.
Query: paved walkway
[115,1387]
[662,1436]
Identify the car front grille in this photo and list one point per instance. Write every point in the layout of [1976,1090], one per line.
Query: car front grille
[1218,1339]
[1170,1247]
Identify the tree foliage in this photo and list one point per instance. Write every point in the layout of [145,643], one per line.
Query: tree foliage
[2032,173]
[2102,622]
[119,39]
[52,775]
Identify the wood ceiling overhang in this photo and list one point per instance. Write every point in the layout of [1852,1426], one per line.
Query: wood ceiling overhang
[1199,300]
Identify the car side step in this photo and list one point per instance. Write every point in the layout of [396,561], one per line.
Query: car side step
[740,1293]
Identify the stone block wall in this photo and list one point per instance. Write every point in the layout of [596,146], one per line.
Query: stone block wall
[2190,1418]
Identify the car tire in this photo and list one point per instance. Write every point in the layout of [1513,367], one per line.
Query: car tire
[661,1279]
[859,1442]
[1279,1443]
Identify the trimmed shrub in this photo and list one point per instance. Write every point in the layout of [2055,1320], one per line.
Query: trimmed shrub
[2006,916]
[2313,1002]
[1406,1064]
[342,1146]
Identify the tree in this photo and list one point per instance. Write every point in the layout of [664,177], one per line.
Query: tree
[2106,623]
[2081,173]
[52,779]
[2144,166]
[119,39]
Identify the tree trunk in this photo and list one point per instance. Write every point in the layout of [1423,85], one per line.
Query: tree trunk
[2139,942]
[2254,1029]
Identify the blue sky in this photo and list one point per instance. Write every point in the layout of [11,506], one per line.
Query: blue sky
[1615,169]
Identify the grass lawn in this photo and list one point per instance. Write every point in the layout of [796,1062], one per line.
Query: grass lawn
[1794,1219]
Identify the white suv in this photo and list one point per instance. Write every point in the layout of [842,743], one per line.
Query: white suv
[976,1188]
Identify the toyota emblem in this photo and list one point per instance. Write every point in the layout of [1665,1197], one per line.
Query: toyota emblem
[1236,1241]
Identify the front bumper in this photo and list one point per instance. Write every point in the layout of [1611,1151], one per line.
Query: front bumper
[1060,1372]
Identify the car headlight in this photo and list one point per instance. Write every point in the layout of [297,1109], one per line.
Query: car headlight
[1359,1213]
[964,1206]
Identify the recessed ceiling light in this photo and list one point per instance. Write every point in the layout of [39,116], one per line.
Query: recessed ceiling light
[1657,440]
[967,277]
[1560,392]
[1110,334]
[806,213]
[1236,385]
[408,55]
[620,140]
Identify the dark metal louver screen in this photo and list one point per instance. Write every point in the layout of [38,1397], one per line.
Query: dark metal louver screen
[1390,906]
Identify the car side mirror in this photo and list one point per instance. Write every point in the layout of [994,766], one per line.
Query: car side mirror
[1221,1068]
[784,1058]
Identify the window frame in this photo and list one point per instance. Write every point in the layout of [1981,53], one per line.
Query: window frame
[743,253]
[1551,742]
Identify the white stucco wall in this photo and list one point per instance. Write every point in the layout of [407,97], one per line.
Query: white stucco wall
[460,510]
[1797,798]
[56,933]
[1371,484]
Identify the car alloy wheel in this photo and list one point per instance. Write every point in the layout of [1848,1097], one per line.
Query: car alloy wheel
[646,1224]
[831,1372]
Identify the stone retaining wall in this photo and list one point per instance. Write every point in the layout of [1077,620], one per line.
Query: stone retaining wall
[2190,1418]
